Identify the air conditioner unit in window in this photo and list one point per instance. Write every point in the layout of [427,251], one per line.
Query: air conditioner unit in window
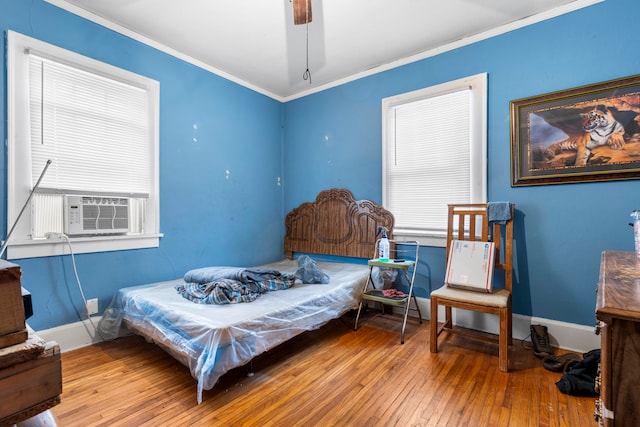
[90,215]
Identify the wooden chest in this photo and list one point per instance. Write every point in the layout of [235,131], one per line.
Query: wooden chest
[12,318]
[30,379]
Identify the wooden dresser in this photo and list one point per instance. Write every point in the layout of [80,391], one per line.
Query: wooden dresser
[618,315]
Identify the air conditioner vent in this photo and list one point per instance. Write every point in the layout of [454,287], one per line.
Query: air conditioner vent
[96,215]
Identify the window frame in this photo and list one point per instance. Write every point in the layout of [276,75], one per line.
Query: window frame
[478,146]
[19,163]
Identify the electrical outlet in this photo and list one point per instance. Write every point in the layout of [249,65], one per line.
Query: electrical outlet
[92,306]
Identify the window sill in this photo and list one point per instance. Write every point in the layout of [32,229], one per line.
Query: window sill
[423,240]
[80,245]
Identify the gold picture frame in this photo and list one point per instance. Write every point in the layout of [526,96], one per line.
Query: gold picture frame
[588,133]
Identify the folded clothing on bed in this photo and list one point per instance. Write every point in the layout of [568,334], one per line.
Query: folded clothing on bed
[230,285]
[211,274]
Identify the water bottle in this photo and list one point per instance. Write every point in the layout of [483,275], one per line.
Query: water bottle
[636,230]
[384,246]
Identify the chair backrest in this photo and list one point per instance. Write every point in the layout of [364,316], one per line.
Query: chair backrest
[471,222]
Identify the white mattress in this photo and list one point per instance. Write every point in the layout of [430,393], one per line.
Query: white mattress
[212,339]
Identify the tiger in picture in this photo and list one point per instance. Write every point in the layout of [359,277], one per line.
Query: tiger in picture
[600,128]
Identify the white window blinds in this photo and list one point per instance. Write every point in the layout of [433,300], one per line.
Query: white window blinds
[434,154]
[430,135]
[94,129]
[99,125]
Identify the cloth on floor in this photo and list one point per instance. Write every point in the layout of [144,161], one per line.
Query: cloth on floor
[580,378]
[499,212]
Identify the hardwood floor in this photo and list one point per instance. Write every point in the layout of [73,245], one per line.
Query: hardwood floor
[333,376]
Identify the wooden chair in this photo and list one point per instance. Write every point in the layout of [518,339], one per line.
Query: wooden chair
[471,222]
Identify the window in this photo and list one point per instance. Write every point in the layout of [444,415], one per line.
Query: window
[434,153]
[78,127]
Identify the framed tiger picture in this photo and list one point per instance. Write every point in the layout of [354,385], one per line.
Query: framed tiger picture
[588,133]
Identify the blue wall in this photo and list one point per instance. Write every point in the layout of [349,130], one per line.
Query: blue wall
[208,125]
[333,139]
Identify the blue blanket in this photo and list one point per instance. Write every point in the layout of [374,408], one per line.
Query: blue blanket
[230,285]
[211,274]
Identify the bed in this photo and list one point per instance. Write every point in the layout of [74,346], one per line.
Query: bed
[212,339]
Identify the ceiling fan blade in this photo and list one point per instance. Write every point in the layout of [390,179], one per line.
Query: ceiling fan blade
[301,12]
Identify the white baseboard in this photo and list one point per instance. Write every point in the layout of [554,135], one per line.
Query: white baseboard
[73,335]
[568,336]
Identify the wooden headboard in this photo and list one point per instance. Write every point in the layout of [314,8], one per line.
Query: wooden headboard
[335,224]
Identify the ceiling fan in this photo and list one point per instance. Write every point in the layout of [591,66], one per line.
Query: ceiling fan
[302,16]
[301,12]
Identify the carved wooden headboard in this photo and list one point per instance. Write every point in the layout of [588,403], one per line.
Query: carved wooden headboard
[335,224]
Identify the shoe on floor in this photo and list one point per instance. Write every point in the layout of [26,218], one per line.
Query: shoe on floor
[560,363]
[540,341]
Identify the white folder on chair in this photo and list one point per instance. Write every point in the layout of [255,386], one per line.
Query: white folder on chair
[470,265]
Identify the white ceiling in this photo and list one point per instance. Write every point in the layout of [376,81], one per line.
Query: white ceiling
[255,43]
